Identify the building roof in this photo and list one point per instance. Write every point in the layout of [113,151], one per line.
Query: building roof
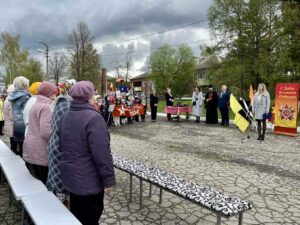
[110,77]
[141,76]
[208,62]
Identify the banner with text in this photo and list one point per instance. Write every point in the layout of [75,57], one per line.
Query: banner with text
[286,108]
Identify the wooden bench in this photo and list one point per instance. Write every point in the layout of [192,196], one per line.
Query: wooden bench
[44,208]
[219,203]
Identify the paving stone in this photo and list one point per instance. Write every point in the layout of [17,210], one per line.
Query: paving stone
[265,173]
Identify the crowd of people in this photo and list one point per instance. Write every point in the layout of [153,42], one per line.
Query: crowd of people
[62,135]
[213,101]
[63,140]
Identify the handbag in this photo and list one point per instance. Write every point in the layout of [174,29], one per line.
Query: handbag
[267,116]
[194,103]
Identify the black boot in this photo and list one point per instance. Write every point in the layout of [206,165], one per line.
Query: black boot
[259,136]
[262,137]
[264,130]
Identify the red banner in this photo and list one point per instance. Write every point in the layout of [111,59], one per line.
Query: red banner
[286,109]
[121,110]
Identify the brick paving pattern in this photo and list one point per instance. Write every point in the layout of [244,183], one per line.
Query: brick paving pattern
[265,173]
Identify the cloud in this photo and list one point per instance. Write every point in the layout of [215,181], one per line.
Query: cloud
[109,21]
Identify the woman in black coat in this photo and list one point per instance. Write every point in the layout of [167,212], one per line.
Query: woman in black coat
[211,105]
[153,105]
[169,101]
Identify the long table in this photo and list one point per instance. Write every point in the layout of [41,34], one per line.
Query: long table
[176,110]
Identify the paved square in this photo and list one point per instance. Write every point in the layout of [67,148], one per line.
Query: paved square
[265,173]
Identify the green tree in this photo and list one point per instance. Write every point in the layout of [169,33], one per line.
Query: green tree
[289,53]
[17,61]
[249,33]
[12,58]
[174,68]
[162,66]
[184,77]
[84,59]
[32,70]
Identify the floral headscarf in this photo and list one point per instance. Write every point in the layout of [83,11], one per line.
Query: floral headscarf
[65,87]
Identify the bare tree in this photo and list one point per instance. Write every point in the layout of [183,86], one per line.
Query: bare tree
[58,66]
[83,57]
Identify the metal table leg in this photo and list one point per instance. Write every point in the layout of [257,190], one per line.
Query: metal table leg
[141,193]
[23,215]
[10,197]
[218,219]
[150,190]
[1,177]
[241,219]
[160,195]
[130,188]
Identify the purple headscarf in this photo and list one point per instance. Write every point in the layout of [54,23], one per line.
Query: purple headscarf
[82,91]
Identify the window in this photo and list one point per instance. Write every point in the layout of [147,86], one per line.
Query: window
[137,84]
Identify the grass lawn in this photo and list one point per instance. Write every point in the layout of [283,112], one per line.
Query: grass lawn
[162,103]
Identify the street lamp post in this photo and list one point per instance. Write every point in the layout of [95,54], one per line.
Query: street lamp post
[46,54]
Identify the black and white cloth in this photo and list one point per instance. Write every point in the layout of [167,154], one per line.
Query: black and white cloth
[218,202]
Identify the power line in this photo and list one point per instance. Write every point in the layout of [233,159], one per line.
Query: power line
[153,50]
[160,32]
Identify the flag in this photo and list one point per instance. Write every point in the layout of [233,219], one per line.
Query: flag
[251,94]
[241,122]
[234,104]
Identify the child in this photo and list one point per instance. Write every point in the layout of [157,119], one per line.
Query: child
[144,103]
[117,118]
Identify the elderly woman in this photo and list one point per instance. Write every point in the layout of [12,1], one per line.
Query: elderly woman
[197,100]
[261,107]
[86,163]
[18,100]
[8,124]
[59,107]
[33,91]
[39,130]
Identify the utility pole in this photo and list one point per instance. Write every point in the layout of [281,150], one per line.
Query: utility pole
[127,68]
[46,54]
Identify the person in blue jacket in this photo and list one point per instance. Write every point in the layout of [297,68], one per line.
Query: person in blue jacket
[224,103]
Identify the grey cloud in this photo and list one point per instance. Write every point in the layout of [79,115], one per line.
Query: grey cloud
[52,20]
[109,21]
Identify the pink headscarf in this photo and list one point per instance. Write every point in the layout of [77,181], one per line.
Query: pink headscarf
[47,89]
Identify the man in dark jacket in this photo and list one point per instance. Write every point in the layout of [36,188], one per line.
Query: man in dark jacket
[153,105]
[86,164]
[224,99]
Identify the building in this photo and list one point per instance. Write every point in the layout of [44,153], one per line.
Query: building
[202,68]
[141,84]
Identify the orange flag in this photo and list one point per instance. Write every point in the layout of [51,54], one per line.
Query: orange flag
[251,95]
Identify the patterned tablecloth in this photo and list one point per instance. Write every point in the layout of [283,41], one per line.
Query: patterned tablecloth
[205,196]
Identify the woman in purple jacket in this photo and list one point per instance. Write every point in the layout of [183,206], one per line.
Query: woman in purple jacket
[86,162]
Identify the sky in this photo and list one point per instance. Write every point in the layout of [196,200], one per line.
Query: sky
[112,23]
